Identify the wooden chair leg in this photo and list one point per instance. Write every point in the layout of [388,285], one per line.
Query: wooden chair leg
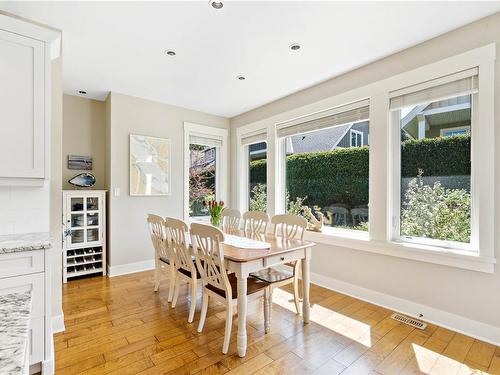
[192,307]
[157,274]
[176,291]
[172,284]
[267,309]
[296,288]
[229,324]
[203,314]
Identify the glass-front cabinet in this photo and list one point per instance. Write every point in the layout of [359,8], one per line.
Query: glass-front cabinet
[84,232]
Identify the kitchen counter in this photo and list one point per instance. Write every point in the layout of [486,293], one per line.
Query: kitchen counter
[15,311]
[12,243]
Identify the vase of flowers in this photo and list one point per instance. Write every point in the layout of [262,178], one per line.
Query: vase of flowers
[215,210]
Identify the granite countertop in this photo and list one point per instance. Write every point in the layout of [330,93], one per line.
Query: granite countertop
[12,243]
[15,311]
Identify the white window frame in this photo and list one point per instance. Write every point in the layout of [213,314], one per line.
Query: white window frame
[442,131]
[243,166]
[357,132]
[379,238]
[396,236]
[221,160]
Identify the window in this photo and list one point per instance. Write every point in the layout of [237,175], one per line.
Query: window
[205,175]
[450,132]
[257,177]
[356,138]
[326,166]
[202,181]
[434,153]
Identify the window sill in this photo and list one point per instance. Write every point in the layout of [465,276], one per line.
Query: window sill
[430,254]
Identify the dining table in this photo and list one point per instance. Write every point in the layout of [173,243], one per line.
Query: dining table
[243,259]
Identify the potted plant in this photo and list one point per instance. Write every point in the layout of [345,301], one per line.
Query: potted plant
[215,210]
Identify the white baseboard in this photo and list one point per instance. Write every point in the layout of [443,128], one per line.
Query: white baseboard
[469,327]
[124,269]
[58,323]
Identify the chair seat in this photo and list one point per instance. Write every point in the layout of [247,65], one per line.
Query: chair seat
[164,260]
[253,286]
[188,273]
[274,274]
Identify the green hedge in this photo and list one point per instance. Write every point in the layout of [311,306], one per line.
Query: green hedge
[342,175]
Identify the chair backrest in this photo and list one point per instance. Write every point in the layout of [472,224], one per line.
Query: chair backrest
[255,221]
[179,247]
[208,251]
[231,219]
[159,236]
[289,226]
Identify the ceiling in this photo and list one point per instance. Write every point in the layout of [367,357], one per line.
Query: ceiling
[119,46]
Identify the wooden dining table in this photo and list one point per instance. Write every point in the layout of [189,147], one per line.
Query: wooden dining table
[244,261]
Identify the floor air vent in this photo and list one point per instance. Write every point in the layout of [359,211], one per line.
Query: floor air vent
[410,321]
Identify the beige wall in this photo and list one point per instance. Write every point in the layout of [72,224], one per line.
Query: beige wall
[127,232]
[469,294]
[84,134]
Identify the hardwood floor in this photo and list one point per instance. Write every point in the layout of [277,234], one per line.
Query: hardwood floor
[120,326]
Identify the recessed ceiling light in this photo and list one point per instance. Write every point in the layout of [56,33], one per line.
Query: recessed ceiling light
[240,78]
[216,4]
[169,52]
[82,92]
[295,46]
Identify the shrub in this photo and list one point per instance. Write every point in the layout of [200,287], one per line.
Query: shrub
[258,198]
[435,212]
[341,175]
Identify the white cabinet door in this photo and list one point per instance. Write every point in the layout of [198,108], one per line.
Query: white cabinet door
[22,106]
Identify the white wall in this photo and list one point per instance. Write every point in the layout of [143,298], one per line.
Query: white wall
[129,244]
[435,288]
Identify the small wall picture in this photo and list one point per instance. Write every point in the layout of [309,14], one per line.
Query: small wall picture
[149,165]
[80,162]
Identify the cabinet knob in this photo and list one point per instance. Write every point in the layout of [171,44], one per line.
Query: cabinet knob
[282,258]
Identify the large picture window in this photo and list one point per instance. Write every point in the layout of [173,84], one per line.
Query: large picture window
[326,167]
[434,127]
[202,177]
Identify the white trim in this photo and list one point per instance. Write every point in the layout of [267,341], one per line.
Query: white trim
[441,131]
[124,269]
[58,323]
[469,327]
[357,132]
[222,160]
[357,240]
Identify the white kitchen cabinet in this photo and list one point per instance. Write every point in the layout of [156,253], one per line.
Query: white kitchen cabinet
[25,61]
[84,249]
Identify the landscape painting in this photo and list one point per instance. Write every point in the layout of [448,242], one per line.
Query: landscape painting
[149,165]
[80,162]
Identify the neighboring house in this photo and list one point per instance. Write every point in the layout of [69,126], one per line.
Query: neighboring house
[443,118]
[348,135]
[202,159]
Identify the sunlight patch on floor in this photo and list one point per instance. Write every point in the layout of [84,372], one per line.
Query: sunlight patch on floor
[430,362]
[341,324]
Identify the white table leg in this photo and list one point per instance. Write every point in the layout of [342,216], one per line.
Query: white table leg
[306,270]
[242,312]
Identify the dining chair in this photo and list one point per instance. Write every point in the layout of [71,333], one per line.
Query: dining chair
[287,227]
[218,284]
[161,245]
[231,219]
[183,262]
[255,222]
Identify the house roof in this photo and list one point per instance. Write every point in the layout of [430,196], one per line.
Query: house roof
[322,140]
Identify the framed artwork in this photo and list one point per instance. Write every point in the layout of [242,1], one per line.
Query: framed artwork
[80,162]
[149,165]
